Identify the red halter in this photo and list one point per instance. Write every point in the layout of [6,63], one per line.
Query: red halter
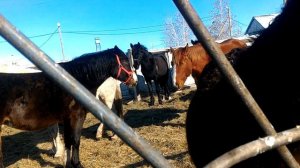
[121,67]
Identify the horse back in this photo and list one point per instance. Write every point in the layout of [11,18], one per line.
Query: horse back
[161,64]
[227,45]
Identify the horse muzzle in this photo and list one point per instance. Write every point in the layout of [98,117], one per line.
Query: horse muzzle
[132,80]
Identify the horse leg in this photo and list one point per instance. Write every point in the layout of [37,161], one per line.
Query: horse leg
[72,128]
[58,144]
[107,98]
[167,92]
[118,106]
[149,84]
[157,88]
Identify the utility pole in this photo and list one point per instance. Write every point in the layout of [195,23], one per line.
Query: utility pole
[98,45]
[61,42]
[229,22]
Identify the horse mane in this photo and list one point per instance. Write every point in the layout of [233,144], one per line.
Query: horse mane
[197,53]
[141,46]
[93,66]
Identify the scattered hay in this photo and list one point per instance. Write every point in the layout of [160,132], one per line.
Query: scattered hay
[163,126]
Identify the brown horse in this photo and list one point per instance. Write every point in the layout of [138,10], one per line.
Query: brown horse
[33,101]
[191,60]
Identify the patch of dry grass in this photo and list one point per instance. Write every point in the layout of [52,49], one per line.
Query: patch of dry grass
[163,126]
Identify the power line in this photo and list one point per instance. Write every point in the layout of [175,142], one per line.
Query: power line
[109,30]
[95,32]
[112,34]
[240,22]
[48,38]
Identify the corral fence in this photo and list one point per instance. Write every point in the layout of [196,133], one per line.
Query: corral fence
[100,111]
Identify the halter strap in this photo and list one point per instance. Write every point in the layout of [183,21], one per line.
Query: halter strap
[121,67]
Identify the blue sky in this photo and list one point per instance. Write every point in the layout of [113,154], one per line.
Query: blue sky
[115,22]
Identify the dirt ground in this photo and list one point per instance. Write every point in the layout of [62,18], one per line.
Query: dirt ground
[163,126]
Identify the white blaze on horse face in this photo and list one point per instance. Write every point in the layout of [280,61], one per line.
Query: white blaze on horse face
[174,75]
[135,78]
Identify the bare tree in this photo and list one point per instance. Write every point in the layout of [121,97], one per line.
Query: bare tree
[177,31]
[223,25]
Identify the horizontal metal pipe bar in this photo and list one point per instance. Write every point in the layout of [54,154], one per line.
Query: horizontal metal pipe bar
[210,46]
[254,148]
[80,93]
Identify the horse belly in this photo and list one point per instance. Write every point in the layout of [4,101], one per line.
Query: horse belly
[30,124]
[31,112]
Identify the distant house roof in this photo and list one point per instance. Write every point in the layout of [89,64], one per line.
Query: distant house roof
[259,23]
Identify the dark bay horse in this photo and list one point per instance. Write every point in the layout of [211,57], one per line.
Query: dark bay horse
[218,120]
[154,67]
[192,59]
[33,101]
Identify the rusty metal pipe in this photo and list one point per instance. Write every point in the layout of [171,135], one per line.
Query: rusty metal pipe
[80,93]
[215,52]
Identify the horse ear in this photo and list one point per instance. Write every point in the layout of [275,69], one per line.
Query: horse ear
[139,43]
[131,45]
[116,47]
[186,46]
[171,49]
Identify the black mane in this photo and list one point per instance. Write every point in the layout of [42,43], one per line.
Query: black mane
[92,67]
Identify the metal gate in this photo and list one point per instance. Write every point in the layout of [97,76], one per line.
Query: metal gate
[100,111]
[224,65]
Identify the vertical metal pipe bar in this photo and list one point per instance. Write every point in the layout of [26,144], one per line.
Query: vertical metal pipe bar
[210,46]
[80,93]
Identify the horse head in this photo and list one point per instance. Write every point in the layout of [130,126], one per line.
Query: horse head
[138,51]
[182,66]
[125,72]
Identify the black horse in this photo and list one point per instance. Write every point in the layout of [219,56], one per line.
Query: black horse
[154,68]
[33,101]
[218,120]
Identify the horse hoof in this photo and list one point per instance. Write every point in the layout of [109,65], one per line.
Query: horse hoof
[115,138]
[58,155]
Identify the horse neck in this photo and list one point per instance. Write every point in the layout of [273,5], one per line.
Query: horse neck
[87,76]
[199,58]
[145,59]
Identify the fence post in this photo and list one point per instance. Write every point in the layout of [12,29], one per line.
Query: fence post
[134,89]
